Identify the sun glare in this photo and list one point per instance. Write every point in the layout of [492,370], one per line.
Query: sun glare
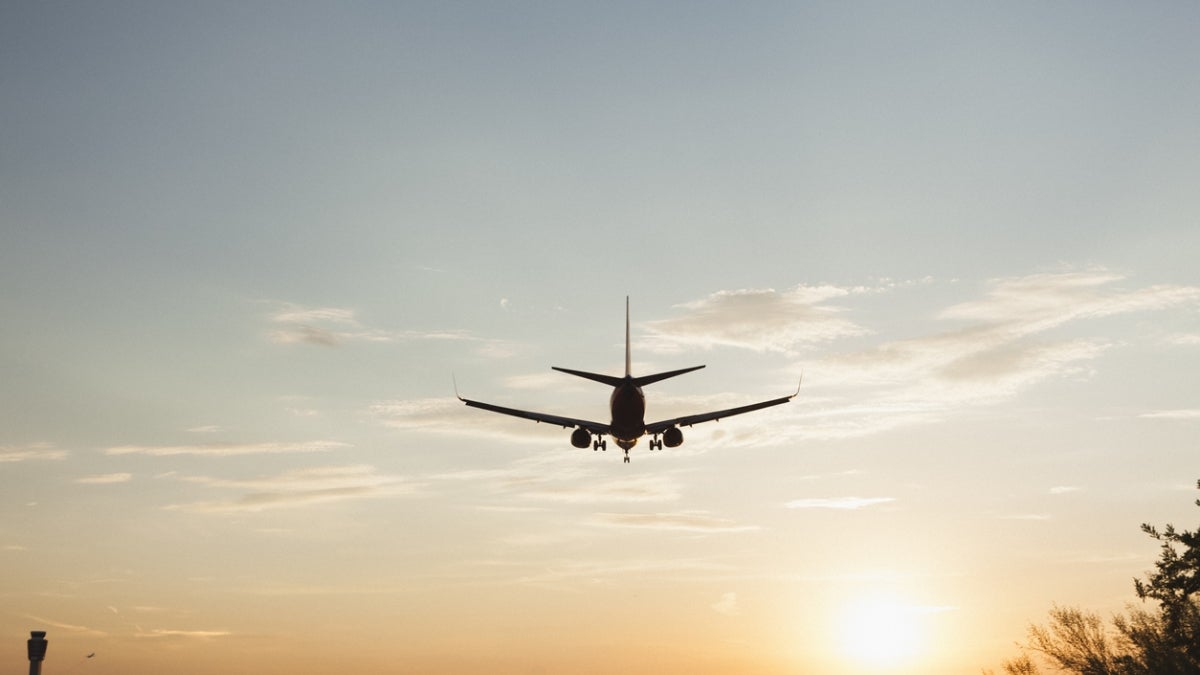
[880,633]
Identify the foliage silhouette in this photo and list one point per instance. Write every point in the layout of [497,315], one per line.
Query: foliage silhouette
[1166,642]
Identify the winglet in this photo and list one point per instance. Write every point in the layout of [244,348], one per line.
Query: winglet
[798,385]
[455,381]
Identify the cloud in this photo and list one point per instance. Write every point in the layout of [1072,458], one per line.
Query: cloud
[85,630]
[838,503]
[421,414]
[562,573]
[183,634]
[334,326]
[1188,414]
[1037,302]
[447,415]
[105,479]
[300,487]
[1025,516]
[727,605]
[760,320]
[226,449]
[323,326]
[570,476]
[1009,340]
[686,521]
[643,489]
[1064,489]
[35,452]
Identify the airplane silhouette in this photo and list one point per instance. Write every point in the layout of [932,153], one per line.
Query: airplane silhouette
[627,406]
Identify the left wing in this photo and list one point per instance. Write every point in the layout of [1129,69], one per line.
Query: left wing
[564,422]
[689,420]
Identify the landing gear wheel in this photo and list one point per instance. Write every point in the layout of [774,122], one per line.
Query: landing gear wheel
[600,445]
[655,443]
[626,456]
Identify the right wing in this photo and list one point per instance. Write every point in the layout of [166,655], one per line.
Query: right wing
[564,422]
[689,420]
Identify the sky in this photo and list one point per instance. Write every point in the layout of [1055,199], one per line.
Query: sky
[248,251]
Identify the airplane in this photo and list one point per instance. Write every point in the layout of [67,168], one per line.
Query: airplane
[627,406]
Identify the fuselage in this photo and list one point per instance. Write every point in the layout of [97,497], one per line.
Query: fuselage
[628,407]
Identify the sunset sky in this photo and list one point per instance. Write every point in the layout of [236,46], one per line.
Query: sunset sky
[248,249]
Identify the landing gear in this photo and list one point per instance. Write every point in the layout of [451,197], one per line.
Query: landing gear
[655,443]
[600,444]
[627,455]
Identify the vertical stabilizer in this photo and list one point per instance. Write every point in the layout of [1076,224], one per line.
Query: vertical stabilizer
[628,359]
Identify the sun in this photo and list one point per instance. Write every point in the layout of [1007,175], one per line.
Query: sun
[880,633]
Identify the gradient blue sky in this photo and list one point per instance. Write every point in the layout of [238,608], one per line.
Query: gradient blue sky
[244,246]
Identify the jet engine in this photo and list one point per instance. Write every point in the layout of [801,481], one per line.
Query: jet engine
[672,438]
[580,438]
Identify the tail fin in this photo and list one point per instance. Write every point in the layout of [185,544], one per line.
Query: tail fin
[628,357]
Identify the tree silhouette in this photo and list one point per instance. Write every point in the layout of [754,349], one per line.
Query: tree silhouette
[1175,584]
[1166,642]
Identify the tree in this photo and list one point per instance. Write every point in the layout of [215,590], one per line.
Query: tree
[1175,584]
[1166,642]
[1077,642]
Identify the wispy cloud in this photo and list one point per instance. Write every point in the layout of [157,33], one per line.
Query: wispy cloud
[838,503]
[1187,414]
[643,489]
[73,628]
[1037,302]
[300,487]
[35,452]
[447,415]
[227,449]
[426,414]
[1008,342]
[105,479]
[570,572]
[322,326]
[762,320]
[685,521]
[1037,517]
[334,326]
[1064,489]
[727,605]
[183,634]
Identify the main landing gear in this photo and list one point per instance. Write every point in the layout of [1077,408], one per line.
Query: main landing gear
[655,443]
[600,444]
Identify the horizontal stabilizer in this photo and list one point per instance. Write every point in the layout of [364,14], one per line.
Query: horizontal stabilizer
[610,380]
[658,377]
[614,381]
